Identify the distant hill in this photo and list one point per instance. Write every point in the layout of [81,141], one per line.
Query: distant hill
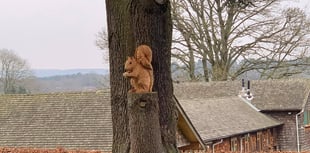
[41,73]
[68,83]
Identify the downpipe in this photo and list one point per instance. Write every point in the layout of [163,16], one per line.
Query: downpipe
[216,144]
[297,131]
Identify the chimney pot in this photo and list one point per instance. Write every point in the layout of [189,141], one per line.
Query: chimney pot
[248,84]
[242,82]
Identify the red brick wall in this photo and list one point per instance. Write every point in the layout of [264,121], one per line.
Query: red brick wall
[253,142]
[286,134]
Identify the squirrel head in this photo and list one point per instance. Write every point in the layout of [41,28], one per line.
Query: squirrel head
[130,64]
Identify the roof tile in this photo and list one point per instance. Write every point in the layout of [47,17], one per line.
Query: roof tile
[70,120]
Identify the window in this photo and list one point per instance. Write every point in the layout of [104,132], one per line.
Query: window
[247,143]
[233,144]
[259,141]
[253,143]
[307,117]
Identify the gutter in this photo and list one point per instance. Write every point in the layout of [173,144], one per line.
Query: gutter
[213,145]
[241,133]
[297,131]
[297,124]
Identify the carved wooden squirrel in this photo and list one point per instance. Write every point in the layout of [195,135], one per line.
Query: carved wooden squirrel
[143,54]
[139,69]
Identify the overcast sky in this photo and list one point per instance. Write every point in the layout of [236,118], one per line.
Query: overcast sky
[57,33]
[53,33]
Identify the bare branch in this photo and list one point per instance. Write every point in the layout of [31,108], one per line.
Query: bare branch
[255,32]
[12,70]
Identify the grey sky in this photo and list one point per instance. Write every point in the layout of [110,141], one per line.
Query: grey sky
[53,33]
[58,33]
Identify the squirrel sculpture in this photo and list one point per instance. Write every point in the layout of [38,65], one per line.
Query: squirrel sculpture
[140,64]
[143,55]
[141,78]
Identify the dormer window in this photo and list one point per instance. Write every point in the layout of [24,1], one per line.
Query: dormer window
[307,117]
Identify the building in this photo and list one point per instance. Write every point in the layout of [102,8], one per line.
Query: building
[75,120]
[212,117]
[229,124]
[287,101]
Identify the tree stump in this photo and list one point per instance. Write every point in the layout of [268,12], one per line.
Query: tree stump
[144,125]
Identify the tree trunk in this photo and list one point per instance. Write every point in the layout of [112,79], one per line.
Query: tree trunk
[130,24]
[192,66]
[144,126]
[153,26]
[219,73]
[120,45]
[205,69]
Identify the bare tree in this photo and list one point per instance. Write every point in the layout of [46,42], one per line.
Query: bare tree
[250,34]
[13,69]
[102,40]
[102,43]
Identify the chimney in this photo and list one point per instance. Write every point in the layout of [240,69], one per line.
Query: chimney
[243,90]
[249,95]
[243,86]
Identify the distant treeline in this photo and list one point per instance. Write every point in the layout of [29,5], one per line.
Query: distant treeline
[67,83]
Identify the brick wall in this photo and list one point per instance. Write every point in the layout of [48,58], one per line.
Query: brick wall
[252,142]
[286,134]
[304,131]
[287,137]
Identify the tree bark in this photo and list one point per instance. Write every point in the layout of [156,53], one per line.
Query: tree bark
[219,73]
[120,45]
[152,25]
[143,111]
[130,24]
[205,69]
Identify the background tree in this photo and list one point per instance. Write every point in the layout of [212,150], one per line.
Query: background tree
[13,70]
[131,23]
[102,43]
[233,37]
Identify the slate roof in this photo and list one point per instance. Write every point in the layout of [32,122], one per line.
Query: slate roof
[82,120]
[217,118]
[70,120]
[269,95]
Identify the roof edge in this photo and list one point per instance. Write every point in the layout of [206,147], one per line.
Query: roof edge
[305,100]
[182,112]
[281,110]
[250,131]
